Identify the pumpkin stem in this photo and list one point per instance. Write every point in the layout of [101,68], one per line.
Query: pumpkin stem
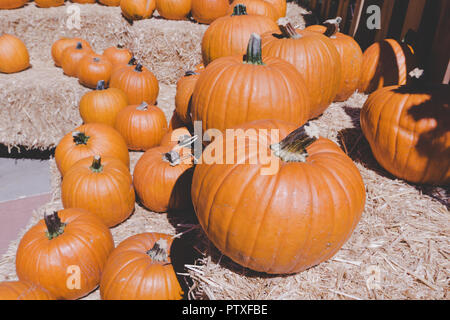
[173,157]
[120,46]
[143,106]
[332,27]
[132,61]
[293,147]
[415,78]
[100,85]
[239,10]
[253,55]
[96,165]
[287,30]
[138,67]
[96,59]
[190,73]
[79,46]
[80,137]
[159,252]
[54,225]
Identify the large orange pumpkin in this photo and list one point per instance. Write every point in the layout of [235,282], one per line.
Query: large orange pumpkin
[137,9]
[350,53]
[60,45]
[118,55]
[185,88]
[293,216]
[49,3]
[22,290]
[110,3]
[65,253]
[14,55]
[206,11]
[228,36]
[93,68]
[102,105]
[174,9]
[140,269]
[239,89]
[71,57]
[314,56]
[256,7]
[88,140]
[280,6]
[12,4]
[407,128]
[101,185]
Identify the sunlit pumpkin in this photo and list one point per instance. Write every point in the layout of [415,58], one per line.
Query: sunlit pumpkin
[14,56]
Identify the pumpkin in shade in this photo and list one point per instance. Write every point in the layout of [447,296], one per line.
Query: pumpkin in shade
[229,35]
[280,6]
[60,45]
[138,83]
[101,185]
[174,9]
[137,9]
[315,57]
[407,128]
[176,136]
[22,290]
[162,178]
[118,55]
[175,122]
[14,55]
[206,11]
[49,3]
[12,4]
[256,7]
[185,88]
[141,261]
[386,63]
[293,216]
[350,56]
[238,89]
[63,243]
[88,140]
[142,126]
[93,68]
[102,105]
[71,57]
[110,3]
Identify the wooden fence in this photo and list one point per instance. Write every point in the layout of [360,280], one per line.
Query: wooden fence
[424,23]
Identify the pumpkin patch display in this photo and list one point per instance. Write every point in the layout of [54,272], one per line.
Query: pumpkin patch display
[206,11]
[60,45]
[256,7]
[141,261]
[71,57]
[94,68]
[185,88]
[12,4]
[49,3]
[174,9]
[67,241]
[137,9]
[110,3]
[22,290]
[118,55]
[14,56]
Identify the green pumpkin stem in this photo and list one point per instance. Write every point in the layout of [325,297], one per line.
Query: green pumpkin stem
[80,137]
[293,147]
[100,85]
[287,30]
[138,67]
[79,46]
[332,27]
[54,225]
[143,106]
[254,55]
[159,252]
[239,10]
[96,165]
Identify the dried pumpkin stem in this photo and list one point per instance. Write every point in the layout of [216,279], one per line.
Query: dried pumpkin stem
[79,46]
[132,61]
[254,55]
[54,225]
[190,73]
[143,106]
[138,67]
[293,147]
[80,137]
[239,10]
[173,157]
[159,252]
[96,59]
[332,27]
[287,30]
[96,165]
[100,85]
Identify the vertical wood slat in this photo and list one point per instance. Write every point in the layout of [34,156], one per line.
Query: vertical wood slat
[413,16]
[313,5]
[356,17]
[342,12]
[323,8]
[327,10]
[386,14]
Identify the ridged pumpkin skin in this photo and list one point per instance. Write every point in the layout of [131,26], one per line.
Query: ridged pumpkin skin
[118,55]
[228,36]
[317,60]
[138,83]
[83,1]
[185,88]
[408,132]
[137,9]
[256,7]
[85,243]
[110,3]
[172,138]
[71,57]
[280,5]
[282,223]
[159,185]
[22,290]
[351,61]
[130,267]
[102,105]
[108,192]
[103,140]
[385,63]
[12,4]
[142,126]
[49,3]
[60,45]
[206,11]
[14,55]
[174,9]
[94,68]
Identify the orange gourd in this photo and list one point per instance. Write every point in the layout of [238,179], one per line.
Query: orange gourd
[110,3]
[174,9]
[206,11]
[22,290]
[71,57]
[60,45]
[137,9]
[118,55]
[14,55]
[93,68]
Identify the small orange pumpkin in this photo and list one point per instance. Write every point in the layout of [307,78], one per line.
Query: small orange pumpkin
[12,4]
[92,68]
[206,11]
[14,55]
[60,45]
[185,88]
[256,7]
[22,290]
[49,3]
[83,1]
[118,55]
[174,9]
[137,9]
[71,57]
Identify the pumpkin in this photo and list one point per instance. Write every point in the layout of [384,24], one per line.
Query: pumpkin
[60,45]
[206,11]
[176,136]
[71,57]
[65,253]
[142,126]
[93,68]
[14,55]
[12,4]
[175,122]
[229,35]
[386,63]
[238,89]
[199,67]
[174,9]
[280,5]
[293,216]
[140,269]
[101,185]
[22,290]
[185,88]
[119,67]
[407,128]
[256,7]
[118,55]
[49,3]
[138,83]
[110,3]
[102,105]
[88,140]
[137,9]
[83,1]
[162,178]
[314,56]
